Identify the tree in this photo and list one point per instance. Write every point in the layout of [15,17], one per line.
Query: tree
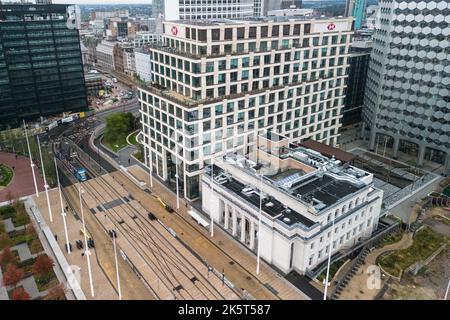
[6,257]
[43,266]
[58,292]
[5,240]
[118,126]
[20,294]
[13,275]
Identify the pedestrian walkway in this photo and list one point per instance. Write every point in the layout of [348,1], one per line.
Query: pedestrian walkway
[268,278]
[24,251]
[22,183]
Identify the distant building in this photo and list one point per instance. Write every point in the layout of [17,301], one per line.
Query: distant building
[359,64]
[207,9]
[291,4]
[356,9]
[120,27]
[102,15]
[143,38]
[158,8]
[143,65]
[105,55]
[41,67]
[291,13]
[310,204]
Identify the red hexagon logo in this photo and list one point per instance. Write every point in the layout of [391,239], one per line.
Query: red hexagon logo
[174,30]
[331,27]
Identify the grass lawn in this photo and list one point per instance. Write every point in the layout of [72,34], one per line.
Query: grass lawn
[6,175]
[133,139]
[115,145]
[396,237]
[334,267]
[425,243]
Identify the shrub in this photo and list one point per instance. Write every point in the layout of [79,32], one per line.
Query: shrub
[20,294]
[5,240]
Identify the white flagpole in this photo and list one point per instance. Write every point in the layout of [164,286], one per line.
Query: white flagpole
[212,182]
[117,269]
[258,255]
[45,181]
[329,259]
[87,251]
[176,169]
[63,212]
[31,160]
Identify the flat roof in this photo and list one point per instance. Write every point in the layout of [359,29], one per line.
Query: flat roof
[328,151]
[252,20]
[325,189]
[270,205]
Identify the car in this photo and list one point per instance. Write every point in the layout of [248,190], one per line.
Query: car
[91,243]
[112,234]
[70,247]
[151,216]
[169,209]
[79,244]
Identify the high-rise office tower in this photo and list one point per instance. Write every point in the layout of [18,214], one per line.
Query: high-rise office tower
[208,9]
[158,8]
[41,69]
[407,100]
[356,9]
[359,64]
[216,84]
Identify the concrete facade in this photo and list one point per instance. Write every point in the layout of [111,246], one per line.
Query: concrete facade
[407,105]
[216,84]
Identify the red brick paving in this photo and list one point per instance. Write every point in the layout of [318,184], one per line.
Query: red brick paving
[22,183]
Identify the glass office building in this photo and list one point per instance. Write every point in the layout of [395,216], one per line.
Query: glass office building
[41,69]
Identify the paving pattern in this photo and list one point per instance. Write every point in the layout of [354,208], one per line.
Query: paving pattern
[22,183]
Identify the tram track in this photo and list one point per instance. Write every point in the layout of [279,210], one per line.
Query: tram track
[173,270]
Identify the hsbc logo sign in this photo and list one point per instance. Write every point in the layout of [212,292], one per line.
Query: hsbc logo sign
[174,30]
[331,27]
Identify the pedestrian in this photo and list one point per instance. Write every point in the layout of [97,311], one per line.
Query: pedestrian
[13,168]
[16,157]
[56,237]
[129,160]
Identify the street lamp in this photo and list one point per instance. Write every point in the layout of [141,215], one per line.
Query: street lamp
[329,259]
[448,287]
[63,213]
[117,268]
[45,180]
[31,160]
[87,251]
[176,169]
[150,160]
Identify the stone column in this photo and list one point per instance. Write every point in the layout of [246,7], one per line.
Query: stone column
[252,235]
[225,224]
[234,232]
[421,155]
[363,130]
[395,147]
[373,135]
[243,229]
